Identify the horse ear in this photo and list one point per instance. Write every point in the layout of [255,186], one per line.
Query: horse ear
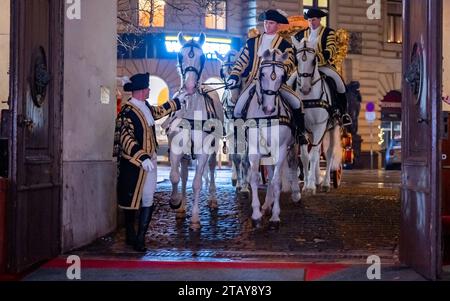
[266,54]
[220,57]
[202,39]
[181,39]
[284,56]
[296,43]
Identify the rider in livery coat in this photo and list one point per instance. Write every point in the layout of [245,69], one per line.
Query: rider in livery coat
[135,147]
[247,65]
[324,39]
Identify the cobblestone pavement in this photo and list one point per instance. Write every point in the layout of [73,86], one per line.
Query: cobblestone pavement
[360,218]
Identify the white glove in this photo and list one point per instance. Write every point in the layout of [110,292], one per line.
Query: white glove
[231,82]
[147,165]
[181,95]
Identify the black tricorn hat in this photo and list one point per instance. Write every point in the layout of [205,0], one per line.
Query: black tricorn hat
[273,15]
[137,82]
[315,13]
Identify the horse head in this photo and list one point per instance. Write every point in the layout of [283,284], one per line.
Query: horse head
[191,61]
[308,66]
[272,74]
[226,66]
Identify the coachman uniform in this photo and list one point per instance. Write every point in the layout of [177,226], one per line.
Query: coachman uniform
[135,147]
[324,41]
[249,59]
[135,142]
[323,37]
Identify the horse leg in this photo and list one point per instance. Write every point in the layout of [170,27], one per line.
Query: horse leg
[254,182]
[267,206]
[181,212]
[212,199]
[202,159]
[291,168]
[235,171]
[236,162]
[276,187]
[305,163]
[245,167]
[175,178]
[326,185]
[315,159]
[206,178]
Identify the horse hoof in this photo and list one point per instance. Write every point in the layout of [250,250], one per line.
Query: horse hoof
[326,188]
[266,211]
[274,225]
[175,203]
[181,213]
[234,182]
[296,197]
[194,226]
[212,204]
[257,224]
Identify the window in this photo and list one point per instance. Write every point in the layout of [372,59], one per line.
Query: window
[216,15]
[151,13]
[321,4]
[394,22]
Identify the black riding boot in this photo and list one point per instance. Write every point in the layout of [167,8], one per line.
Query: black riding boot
[145,216]
[345,118]
[299,119]
[130,232]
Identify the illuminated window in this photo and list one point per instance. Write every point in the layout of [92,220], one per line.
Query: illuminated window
[395,22]
[151,13]
[221,45]
[321,4]
[216,15]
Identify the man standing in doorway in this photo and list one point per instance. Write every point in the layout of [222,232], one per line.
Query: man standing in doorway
[135,147]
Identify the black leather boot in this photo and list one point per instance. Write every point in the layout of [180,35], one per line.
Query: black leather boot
[130,232]
[145,216]
[345,118]
[299,119]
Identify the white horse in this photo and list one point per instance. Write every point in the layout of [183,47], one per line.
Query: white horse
[323,130]
[265,104]
[195,130]
[236,147]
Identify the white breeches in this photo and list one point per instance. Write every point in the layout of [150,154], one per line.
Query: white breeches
[335,76]
[150,185]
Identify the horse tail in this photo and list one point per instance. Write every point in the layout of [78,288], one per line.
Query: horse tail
[336,148]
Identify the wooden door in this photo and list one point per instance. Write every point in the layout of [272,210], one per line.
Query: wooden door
[422,67]
[36,95]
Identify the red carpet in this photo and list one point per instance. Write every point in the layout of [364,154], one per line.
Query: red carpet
[314,271]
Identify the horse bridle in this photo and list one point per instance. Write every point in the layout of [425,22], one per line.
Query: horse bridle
[305,50]
[273,76]
[191,54]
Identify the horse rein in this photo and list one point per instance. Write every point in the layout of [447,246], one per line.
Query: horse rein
[273,76]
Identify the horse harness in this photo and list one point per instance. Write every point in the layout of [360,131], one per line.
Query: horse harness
[191,44]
